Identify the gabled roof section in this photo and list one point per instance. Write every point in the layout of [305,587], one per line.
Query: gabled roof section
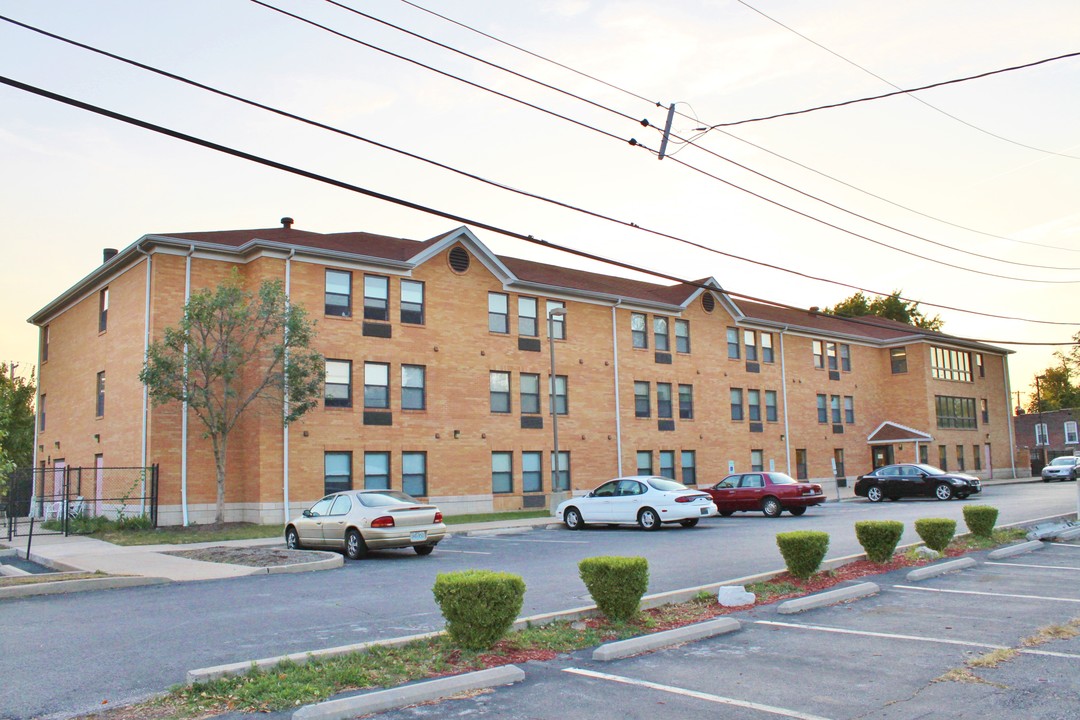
[889,432]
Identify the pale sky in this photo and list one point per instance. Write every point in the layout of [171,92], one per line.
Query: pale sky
[74,183]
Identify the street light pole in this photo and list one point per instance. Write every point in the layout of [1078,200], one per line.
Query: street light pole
[552,314]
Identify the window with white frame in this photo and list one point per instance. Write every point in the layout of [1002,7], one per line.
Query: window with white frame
[338,300]
[750,345]
[502,472]
[1070,433]
[818,349]
[376,385]
[1041,435]
[639,334]
[644,462]
[527,326]
[663,400]
[376,297]
[498,313]
[733,343]
[338,391]
[499,385]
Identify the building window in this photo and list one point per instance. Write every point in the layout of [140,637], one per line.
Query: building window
[948,364]
[822,409]
[689,467]
[733,343]
[414,473]
[838,459]
[924,454]
[845,358]
[849,409]
[819,354]
[41,414]
[976,458]
[1041,436]
[558,322]
[686,402]
[376,385]
[338,300]
[530,393]
[558,395]
[959,457]
[413,385]
[667,464]
[767,355]
[502,472]
[532,477]
[955,412]
[103,310]
[412,302]
[376,297]
[663,401]
[660,334]
[979,364]
[498,313]
[499,383]
[376,471]
[830,351]
[984,408]
[560,472]
[770,405]
[527,326]
[898,360]
[338,383]
[639,335]
[45,344]
[943,457]
[100,407]
[753,404]
[736,404]
[757,460]
[750,342]
[337,472]
[682,336]
[642,404]
[800,464]
[834,405]
[1070,433]
[644,462]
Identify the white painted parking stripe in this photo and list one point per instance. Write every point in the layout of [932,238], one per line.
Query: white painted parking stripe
[696,695]
[988,594]
[1068,545]
[1045,567]
[463,552]
[521,539]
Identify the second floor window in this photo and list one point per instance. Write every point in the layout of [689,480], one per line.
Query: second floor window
[530,393]
[412,302]
[955,412]
[753,404]
[770,405]
[41,414]
[822,409]
[642,405]
[660,334]
[376,385]
[834,403]
[413,382]
[376,297]
[686,402]
[498,313]
[736,404]
[663,400]
[101,394]
[527,317]
[639,334]
[682,336]
[984,407]
[898,360]
[499,383]
[338,299]
[338,383]
[849,409]
[558,395]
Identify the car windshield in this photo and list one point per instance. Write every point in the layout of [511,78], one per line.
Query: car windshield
[385,497]
[665,484]
[782,479]
[1067,460]
[931,470]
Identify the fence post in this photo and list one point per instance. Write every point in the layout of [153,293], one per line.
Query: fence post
[154,494]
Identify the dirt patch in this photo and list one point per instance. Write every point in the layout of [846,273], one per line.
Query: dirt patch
[250,556]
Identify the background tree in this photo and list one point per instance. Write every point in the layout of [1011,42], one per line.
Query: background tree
[16,421]
[240,347]
[891,306]
[1054,388]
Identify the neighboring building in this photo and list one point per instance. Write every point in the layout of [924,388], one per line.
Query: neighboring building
[1048,435]
[437,379]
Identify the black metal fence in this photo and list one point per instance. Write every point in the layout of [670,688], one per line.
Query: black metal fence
[73,500]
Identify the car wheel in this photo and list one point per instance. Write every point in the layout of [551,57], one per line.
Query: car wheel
[943,492]
[727,513]
[771,507]
[572,519]
[648,519]
[292,540]
[355,547]
[875,494]
[423,550]
[797,511]
[689,522]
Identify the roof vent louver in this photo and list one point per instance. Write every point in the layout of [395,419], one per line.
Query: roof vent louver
[708,302]
[108,254]
[459,259]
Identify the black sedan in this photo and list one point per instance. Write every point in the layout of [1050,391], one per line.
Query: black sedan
[897,481]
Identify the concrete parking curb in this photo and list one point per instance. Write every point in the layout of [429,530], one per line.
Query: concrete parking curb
[1069,534]
[380,700]
[330,561]
[667,638]
[68,586]
[1016,549]
[930,571]
[829,597]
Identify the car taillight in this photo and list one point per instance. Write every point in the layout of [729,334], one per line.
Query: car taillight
[688,498]
[438,516]
[383,522]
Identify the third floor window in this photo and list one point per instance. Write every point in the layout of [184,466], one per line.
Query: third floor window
[338,300]
[376,297]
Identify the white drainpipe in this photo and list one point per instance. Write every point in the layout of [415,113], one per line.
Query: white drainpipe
[146,389]
[1012,436]
[618,414]
[783,379]
[285,408]
[184,413]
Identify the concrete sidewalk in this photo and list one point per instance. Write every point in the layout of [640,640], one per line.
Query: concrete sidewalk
[77,553]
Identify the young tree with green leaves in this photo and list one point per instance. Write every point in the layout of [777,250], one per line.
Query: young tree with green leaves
[232,348]
[891,307]
[1054,388]
[16,422]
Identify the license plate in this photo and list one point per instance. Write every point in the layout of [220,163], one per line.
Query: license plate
[704,511]
[418,536]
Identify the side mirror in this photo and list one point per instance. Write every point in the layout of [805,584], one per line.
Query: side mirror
[589,494]
[307,513]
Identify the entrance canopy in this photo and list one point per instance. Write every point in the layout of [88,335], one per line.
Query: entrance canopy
[890,432]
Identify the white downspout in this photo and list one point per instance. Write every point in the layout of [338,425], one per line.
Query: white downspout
[37,425]
[146,389]
[618,413]
[184,412]
[285,406]
[783,379]
[1008,415]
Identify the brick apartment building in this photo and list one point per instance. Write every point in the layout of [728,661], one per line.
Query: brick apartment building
[437,379]
[1048,435]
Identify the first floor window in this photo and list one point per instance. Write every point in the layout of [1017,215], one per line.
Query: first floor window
[757,460]
[943,457]
[414,473]
[959,457]
[337,472]
[689,467]
[502,472]
[976,457]
[376,297]
[838,459]
[924,454]
[530,393]
[376,385]
[663,400]
[800,464]
[686,402]
[338,383]
[499,383]
[642,404]
[736,404]
[644,462]
[413,380]
[532,478]
[41,413]
[770,405]
[560,471]
[667,464]
[376,471]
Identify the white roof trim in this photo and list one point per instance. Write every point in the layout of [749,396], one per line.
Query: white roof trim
[923,437]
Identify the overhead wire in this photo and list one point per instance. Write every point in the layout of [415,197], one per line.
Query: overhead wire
[41,92]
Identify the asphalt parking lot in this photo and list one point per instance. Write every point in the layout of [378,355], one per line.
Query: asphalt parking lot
[886,657]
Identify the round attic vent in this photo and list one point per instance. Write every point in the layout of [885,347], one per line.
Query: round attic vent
[459,259]
[708,302]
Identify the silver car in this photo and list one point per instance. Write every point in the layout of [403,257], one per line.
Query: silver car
[356,521]
[1066,467]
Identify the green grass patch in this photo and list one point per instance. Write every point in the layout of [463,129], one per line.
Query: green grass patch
[489,517]
[771,589]
[192,534]
[38,578]
[999,537]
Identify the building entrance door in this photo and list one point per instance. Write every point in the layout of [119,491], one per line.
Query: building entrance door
[882,455]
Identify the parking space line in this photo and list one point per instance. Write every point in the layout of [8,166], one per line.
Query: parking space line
[987,594]
[517,539]
[1068,545]
[1045,567]
[887,636]
[464,552]
[695,694]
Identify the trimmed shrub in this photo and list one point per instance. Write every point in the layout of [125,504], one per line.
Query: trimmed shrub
[479,605]
[980,519]
[937,533]
[879,538]
[803,551]
[616,584]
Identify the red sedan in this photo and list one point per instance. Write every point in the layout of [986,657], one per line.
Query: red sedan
[769,492]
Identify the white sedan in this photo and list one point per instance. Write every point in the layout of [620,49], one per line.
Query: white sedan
[646,500]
